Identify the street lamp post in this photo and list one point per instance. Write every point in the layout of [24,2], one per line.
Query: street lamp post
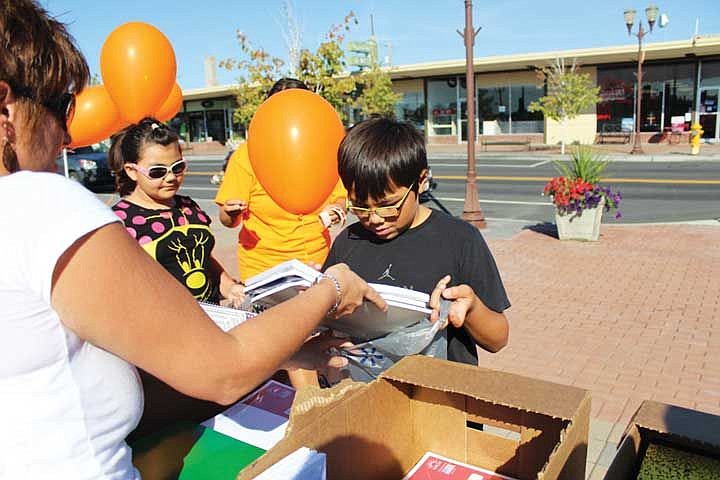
[472,212]
[651,13]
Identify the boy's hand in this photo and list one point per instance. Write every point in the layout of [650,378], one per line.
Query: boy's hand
[463,300]
[234,207]
[235,296]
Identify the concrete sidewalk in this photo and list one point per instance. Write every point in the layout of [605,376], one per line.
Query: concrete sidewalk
[629,318]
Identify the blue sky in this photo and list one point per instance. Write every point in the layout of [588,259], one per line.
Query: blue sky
[418,31]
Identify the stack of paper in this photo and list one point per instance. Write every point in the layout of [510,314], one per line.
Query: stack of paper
[405,308]
[279,283]
[302,464]
[259,419]
[284,281]
[225,317]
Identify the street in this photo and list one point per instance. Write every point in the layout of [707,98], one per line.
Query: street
[510,187]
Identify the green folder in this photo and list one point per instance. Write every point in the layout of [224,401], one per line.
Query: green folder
[215,456]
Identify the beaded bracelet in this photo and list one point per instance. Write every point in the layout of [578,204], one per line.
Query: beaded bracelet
[338,290]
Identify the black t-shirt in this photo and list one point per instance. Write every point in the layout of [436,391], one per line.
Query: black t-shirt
[419,257]
[180,239]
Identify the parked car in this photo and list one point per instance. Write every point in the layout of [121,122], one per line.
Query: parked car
[89,166]
[424,196]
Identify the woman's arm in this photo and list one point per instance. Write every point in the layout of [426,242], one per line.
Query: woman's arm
[146,317]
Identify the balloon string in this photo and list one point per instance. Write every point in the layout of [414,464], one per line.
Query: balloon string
[306,254]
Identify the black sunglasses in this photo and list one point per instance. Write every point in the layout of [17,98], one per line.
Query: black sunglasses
[62,107]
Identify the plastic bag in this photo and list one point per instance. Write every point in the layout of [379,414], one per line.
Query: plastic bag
[369,359]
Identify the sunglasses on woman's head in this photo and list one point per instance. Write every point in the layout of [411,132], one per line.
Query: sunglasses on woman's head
[62,107]
[156,172]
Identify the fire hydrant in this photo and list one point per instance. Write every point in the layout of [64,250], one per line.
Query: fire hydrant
[696,132]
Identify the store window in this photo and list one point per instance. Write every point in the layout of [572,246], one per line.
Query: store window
[651,106]
[493,110]
[442,106]
[679,94]
[505,109]
[617,105]
[710,74]
[411,108]
[667,94]
[522,119]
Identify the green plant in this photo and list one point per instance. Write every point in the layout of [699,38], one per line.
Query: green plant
[569,93]
[585,163]
[577,189]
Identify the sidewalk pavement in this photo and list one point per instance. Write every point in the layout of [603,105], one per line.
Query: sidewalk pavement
[630,317]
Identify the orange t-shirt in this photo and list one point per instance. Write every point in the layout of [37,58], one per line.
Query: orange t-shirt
[269,234]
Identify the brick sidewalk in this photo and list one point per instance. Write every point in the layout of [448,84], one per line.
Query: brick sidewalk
[629,318]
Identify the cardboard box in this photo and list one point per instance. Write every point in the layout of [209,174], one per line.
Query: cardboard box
[381,430]
[668,425]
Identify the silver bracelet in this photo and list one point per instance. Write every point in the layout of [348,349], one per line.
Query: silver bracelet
[338,290]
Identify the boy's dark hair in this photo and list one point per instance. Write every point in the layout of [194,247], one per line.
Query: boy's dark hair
[127,146]
[378,153]
[284,84]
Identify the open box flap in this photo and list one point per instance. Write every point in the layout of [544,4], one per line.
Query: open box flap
[537,396]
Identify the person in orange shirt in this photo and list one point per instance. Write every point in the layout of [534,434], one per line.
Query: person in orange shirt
[269,234]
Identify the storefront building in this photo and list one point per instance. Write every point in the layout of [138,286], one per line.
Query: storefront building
[681,82]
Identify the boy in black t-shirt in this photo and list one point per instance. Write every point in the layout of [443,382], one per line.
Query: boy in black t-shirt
[397,241]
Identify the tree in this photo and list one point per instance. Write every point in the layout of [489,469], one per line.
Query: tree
[569,93]
[376,94]
[323,71]
[292,34]
[259,70]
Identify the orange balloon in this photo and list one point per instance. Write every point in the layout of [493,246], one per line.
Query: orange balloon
[138,67]
[172,105]
[293,141]
[96,117]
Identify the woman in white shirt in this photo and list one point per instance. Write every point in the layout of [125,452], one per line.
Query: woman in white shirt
[80,302]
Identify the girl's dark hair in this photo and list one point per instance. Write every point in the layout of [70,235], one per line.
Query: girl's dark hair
[379,153]
[38,56]
[284,84]
[127,146]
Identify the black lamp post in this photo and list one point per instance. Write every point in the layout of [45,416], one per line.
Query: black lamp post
[651,13]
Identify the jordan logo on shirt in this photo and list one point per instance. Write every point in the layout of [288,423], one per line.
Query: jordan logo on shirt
[386,274]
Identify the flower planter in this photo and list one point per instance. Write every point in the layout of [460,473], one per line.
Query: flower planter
[580,227]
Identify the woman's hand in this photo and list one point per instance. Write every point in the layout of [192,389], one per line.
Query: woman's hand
[319,353]
[234,297]
[353,291]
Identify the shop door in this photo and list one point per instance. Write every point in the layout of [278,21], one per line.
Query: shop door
[709,113]
[216,125]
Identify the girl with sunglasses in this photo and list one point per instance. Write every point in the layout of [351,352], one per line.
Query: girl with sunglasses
[172,228]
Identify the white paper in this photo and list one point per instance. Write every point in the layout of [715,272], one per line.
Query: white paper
[302,464]
[225,317]
[260,418]
[290,268]
[250,425]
